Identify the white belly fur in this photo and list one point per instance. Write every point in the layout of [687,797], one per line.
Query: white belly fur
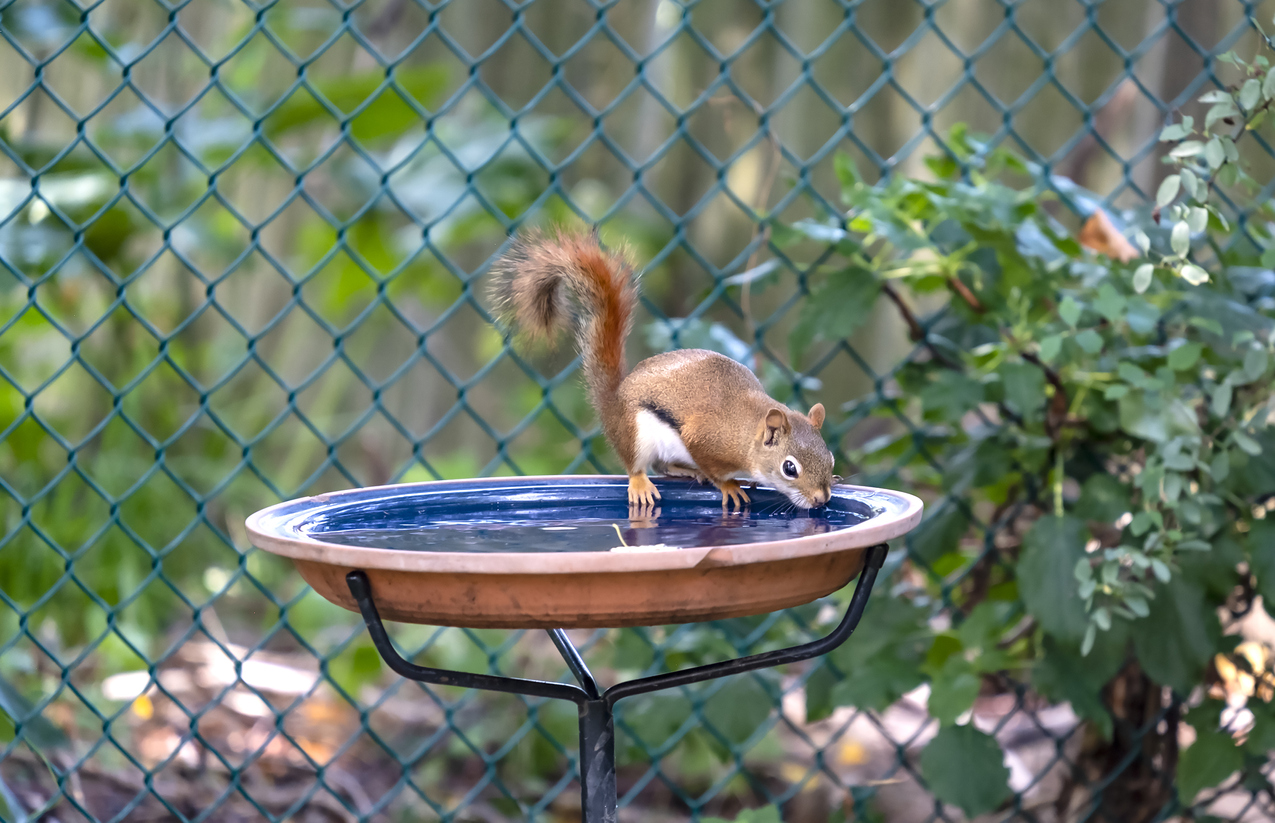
[658,442]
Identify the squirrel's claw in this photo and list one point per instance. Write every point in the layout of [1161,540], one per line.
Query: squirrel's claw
[731,492]
[642,492]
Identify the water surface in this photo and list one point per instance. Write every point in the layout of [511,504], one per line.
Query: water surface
[513,520]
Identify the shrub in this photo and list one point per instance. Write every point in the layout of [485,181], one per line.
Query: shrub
[1094,442]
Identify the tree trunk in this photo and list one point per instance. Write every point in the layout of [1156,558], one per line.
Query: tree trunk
[1134,770]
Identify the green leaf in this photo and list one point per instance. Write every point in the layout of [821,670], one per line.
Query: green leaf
[950,395]
[1194,275]
[1102,618]
[1142,317]
[1168,190]
[847,171]
[1262,737]
[1220,468]
[1142,277]
[953,690]
[1064,674]
[1268,85]
[966,768]
[1214,154]
[1218,111]
[1208,324]
[1110,303]
[357,666]
[1189,182]
[1185,356]
[1246,443]
[1188,149]
[945,644]
[1050,347]
[885,661]
[1046,579]
[1115,391]
[1151,417]
[939,533]
[1103,498]
[1207,762]
[1177,640]
[1197,219]
[1024,386]
[1255,361]
[1069,311]
[838,309]
[1222,399]
[1090,341]
[738,708]
[818,694]
[1261,546]
[1172,132]
[1180,238]
[1250,93]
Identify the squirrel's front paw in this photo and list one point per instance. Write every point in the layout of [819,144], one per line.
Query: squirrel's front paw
[642,492]
[731,492]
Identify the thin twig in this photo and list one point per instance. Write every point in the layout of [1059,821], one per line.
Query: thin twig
[1058,403]
[915,333]
[964,291]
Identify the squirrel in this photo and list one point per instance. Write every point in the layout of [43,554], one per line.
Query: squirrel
[688,412]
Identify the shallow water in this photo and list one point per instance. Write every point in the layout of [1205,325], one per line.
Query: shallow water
[520,524]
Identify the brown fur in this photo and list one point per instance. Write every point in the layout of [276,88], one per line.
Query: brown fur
[726,421]
[533,283]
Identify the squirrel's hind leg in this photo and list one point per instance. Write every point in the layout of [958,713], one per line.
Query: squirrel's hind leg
[642,491]
[678,470]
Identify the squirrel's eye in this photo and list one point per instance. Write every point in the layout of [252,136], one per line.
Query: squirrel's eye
[790,469]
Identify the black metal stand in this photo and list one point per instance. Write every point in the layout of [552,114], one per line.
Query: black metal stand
[597,726]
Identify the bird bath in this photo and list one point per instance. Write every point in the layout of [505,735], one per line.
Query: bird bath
[562,552]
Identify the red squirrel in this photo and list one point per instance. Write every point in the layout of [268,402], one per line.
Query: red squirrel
[688,412]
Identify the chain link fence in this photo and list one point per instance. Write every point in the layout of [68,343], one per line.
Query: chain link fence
[241,258]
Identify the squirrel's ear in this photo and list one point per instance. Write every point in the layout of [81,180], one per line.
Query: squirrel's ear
[776,422]
[816,416]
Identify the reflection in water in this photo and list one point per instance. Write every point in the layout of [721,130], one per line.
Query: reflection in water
[528,525]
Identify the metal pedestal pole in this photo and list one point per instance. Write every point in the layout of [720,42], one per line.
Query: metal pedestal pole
[597,724]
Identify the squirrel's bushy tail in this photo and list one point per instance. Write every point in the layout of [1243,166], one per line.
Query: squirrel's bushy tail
[529,291]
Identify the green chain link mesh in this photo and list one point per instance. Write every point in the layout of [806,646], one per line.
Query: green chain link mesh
[240,251]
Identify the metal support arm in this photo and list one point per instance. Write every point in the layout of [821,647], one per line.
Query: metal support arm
[362,591]
[597,726]
[765,660]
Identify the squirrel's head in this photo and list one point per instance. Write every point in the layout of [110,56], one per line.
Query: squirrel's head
[792,456]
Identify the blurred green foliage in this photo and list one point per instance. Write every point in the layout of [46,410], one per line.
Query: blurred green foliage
[230,280]
[1096,437]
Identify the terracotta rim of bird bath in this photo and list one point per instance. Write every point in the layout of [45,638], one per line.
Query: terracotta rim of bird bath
[576,588]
